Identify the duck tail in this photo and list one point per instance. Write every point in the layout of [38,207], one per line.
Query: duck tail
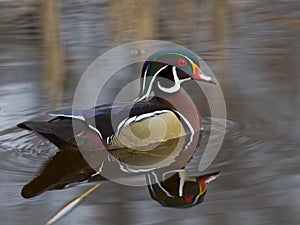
[39,127]
[59,133]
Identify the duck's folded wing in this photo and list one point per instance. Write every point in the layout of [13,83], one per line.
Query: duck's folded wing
[79,113]
[105,119]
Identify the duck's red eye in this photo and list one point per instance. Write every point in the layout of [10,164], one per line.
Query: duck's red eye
[181,62]
[188,198]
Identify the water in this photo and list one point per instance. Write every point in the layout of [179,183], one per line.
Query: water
[254,51]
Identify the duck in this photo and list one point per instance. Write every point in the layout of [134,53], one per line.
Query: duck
[146,134]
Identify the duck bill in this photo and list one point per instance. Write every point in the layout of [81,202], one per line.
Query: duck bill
[199,75]
[204,180]
[207,178]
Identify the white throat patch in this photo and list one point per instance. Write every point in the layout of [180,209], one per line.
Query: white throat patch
[177,82]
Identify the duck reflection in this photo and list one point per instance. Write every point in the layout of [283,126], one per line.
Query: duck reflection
[68,168]
[65,169]
[179,190]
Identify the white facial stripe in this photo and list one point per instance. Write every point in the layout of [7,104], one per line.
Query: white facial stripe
[155,75]
[181,183]
[177,81]
[176,86]
[184,177]
[183,80]
[151,83]
[161,187]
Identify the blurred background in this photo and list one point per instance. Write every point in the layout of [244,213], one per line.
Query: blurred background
[253,48]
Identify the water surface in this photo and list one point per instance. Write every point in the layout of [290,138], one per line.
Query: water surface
[252,47]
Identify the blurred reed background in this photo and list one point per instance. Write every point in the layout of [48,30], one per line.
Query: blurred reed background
[65,33]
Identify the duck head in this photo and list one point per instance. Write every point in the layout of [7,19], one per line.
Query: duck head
[179,190]
[166,70]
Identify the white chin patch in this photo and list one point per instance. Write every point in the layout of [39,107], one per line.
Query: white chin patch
[176,86]
[172,89]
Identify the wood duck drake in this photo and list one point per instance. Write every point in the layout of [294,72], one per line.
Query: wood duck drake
[162,105]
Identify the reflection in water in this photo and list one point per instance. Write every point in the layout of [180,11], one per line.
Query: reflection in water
[65,168]
[61,39]
[68,168]
[179,190]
